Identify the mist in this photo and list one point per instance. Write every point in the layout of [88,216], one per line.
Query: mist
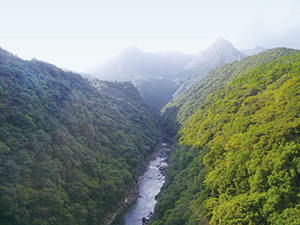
[77,35]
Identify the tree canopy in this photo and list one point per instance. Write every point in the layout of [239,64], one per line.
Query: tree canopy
[237,159]
[69,150]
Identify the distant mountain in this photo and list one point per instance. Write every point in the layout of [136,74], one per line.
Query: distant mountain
[219,53]
[176,58]
[84,75]
[156,75]
[133,63]
[162,76]
[252,51]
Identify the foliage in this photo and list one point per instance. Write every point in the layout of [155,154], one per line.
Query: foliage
[243,138]
[68,151]
[179,110]
[156,92]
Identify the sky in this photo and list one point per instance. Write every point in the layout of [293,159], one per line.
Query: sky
[80,33]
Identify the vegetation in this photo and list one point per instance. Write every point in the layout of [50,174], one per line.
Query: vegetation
[156,92]
[238,157]
[68,151]
[179,110]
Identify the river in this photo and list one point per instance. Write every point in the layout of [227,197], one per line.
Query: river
[150,184]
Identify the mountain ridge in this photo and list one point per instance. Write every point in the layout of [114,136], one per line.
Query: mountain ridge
[209,54]
[218,53]
[133,63]
[176,71]
[70,147]
[252,51]
[147,71]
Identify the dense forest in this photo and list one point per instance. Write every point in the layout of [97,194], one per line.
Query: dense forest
[69,149]
[179,110]
[236,157]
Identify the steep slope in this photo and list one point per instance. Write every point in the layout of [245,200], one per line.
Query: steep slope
[238,158]
[219,53]
[156,92]
[156,75]
[177,112]
[68,150]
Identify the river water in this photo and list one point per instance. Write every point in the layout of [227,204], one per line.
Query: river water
[150,184]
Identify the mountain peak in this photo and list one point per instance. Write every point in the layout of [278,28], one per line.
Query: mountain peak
[131,53]
[218,53]
[131,49]
[220,41]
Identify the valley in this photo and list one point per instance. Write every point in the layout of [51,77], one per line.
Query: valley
[73,146]
[160,77]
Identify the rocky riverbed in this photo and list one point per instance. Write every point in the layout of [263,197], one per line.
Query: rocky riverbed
[149,184]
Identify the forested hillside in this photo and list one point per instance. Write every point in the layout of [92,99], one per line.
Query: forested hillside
[68,150]
[238,157]
[179,110]
[71,148]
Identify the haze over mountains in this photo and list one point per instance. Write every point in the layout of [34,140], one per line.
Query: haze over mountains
[219,53]
[133,63]
[252,51]
[71,148]
[161,76]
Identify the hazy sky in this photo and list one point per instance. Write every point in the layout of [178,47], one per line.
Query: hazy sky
[77,34]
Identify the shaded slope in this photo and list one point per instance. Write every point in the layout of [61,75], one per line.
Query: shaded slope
[156,92]
[156,75]
[68,151]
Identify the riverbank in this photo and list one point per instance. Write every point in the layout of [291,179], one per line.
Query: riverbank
[150,184]
[133,194]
